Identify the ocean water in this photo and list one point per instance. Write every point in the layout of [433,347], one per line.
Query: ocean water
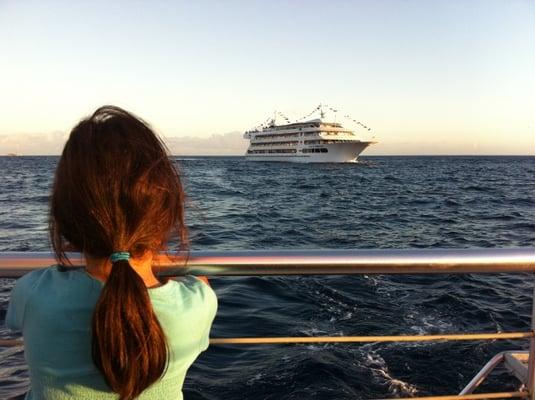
[382,202]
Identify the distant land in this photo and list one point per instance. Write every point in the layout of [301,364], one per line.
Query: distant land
[232,143]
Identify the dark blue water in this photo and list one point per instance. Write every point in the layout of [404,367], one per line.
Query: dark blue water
[384,202]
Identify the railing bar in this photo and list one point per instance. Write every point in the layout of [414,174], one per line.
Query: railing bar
[308,262]
[502,395]
[483,373]
[11,342]
[363,339]
[349,339]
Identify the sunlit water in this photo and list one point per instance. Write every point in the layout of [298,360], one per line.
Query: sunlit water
[383,202]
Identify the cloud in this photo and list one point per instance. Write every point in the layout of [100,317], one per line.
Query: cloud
[231,143]
[33,144]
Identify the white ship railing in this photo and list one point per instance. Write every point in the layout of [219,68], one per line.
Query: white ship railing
[344,262]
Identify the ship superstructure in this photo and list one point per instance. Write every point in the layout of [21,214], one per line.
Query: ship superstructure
[314,140]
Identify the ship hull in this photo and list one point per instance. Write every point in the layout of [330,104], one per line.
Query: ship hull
[336,153]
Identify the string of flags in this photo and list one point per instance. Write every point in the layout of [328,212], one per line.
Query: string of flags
[309,114]
[357,122]
[334,110]
[283,116]
[271,120]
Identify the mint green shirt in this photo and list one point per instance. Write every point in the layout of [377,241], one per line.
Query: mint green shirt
[53,309]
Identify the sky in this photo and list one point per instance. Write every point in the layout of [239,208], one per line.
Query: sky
[429,77]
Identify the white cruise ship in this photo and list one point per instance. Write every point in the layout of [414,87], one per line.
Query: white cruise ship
[310,141]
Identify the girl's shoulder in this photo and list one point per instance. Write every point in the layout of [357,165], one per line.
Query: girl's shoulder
[187,294]
[29,281]
[185,288]
[22,292]
[50,277]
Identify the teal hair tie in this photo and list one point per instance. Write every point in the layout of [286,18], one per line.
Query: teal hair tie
[120,255]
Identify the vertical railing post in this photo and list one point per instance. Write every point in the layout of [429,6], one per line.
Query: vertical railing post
[531,361]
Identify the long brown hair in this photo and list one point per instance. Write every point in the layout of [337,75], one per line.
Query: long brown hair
[116,189]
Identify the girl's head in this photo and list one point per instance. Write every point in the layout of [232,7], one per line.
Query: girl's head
[116,190]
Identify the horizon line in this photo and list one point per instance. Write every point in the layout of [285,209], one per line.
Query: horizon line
[360,156]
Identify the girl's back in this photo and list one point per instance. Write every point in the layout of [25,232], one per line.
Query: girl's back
[100,333]
[54,308]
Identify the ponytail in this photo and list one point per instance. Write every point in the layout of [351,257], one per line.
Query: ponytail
[128,343]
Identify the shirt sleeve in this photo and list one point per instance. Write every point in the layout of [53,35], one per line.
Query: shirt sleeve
[17,303]
[209,310]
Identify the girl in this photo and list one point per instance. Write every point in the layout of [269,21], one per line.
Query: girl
[113,330]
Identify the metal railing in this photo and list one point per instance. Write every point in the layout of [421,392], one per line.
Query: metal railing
[308,262]
[336,262]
